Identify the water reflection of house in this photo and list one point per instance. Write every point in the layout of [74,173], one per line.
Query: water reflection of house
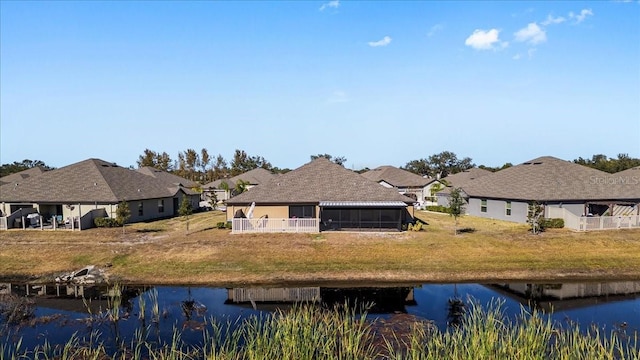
[569,295]
[69,297]
[379,299]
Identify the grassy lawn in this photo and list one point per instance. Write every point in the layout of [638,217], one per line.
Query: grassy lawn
[162,252]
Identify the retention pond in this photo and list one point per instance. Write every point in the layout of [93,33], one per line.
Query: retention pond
[32,315]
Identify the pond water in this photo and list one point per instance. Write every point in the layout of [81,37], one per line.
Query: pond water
[53,313]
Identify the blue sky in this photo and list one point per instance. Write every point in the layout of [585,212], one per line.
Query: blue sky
[381,83]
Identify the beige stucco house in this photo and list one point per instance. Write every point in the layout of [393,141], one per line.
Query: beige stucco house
[405,182]
[323,196]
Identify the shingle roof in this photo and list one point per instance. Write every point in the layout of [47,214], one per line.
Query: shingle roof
[396,177]
[319,180]
[461,178]
[91,180]
[551,179]
[254,177]
[20,176]
[167,177]
[632,173]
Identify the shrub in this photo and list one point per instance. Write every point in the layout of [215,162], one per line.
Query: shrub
[221,225]
[552,223]
[438,208]
[106,222]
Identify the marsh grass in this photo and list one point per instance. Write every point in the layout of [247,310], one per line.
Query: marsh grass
[310,331]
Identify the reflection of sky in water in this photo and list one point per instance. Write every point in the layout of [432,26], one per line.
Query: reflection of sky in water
[432,303]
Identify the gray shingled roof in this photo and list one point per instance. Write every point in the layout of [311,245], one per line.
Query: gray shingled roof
[91,180]
[318,180]
[254,177]
[168,177]
[461,178]
[633,174]
[551,179]
[396,177]
[20,176]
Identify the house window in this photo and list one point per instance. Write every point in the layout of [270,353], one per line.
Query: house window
[508,208]
[483,205]
[140,209]
[302,211]
[161,205]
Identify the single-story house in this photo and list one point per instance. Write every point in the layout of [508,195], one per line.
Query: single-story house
[320,196]
[405,182]
[223,192]
[89,189]
[563,187]
[458,180]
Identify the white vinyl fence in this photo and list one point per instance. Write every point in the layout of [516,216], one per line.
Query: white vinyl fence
[268,225]
[584,223]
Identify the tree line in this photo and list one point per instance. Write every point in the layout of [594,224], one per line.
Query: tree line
[202,167]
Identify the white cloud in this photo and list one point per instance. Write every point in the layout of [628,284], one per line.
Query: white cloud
[484,40]
[331,4]
[530,52]
[582,16]
[553,20]
[384,42]
[517,57]
[435,29]
[532,34]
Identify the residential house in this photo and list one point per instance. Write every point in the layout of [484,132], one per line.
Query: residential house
[405,182]
[563,187]
[320,196]
[89,189]
[224,189]
[458,180]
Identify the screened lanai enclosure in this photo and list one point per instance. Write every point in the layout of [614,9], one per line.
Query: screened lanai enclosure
[363,216]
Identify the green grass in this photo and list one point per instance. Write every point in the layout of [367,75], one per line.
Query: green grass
[495,250]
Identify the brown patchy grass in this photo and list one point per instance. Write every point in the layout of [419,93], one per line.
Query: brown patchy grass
[161,252]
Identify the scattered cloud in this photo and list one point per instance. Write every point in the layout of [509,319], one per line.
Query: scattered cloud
[582,16]
[517,57]
[435,29]
[485,39]
[383,42]
[331,4]
[339,96]
[551,20]
[532,34]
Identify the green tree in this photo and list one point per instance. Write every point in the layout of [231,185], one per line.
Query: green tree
[123,213]
[456,206]
[340,160]
[241,186]
[610,165]
[8,169]
[433,190]
[185,210]
[213,200]
[220,169]
[205,160]
[439,165]
[242,163]
[534,215]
